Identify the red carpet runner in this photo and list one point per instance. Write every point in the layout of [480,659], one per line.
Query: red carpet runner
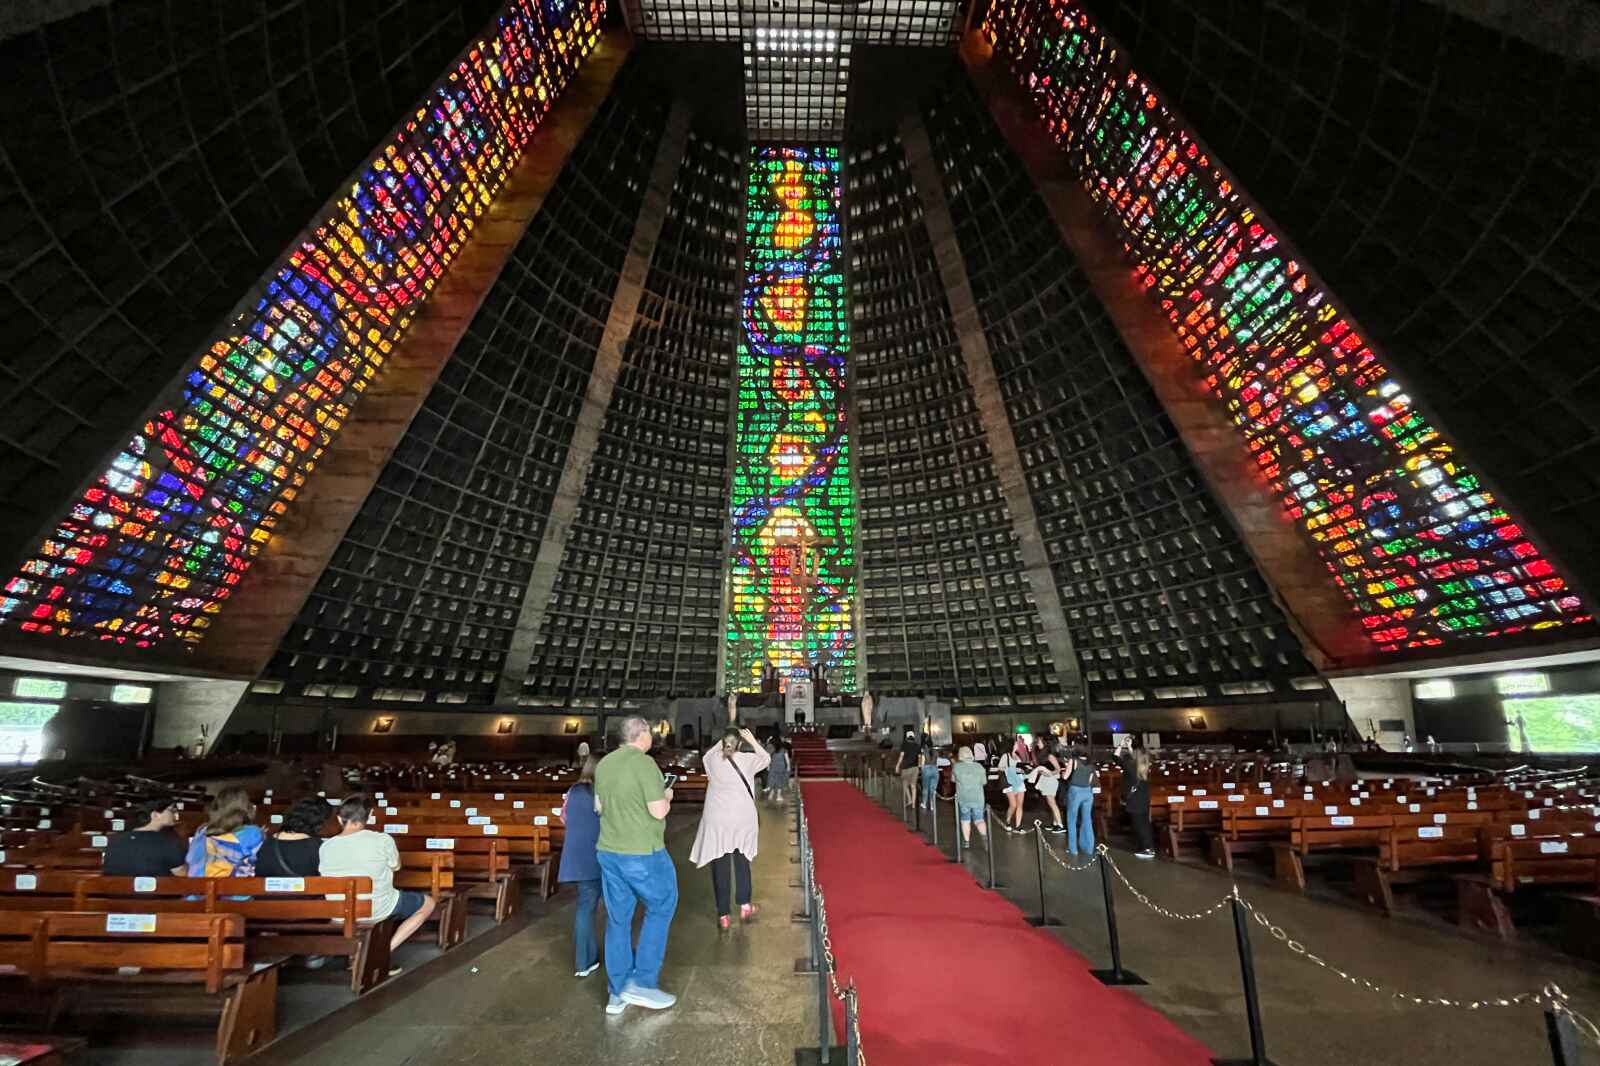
[950,973]
[811,756]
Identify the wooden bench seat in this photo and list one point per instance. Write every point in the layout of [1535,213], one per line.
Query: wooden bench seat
[1520,864]
[143,965]
[285,915]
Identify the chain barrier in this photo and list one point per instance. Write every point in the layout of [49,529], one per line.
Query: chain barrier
[1549,996]
[1044,842]
[1181,916]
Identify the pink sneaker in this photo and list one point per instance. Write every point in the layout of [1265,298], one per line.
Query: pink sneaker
[747,911]
[724,922]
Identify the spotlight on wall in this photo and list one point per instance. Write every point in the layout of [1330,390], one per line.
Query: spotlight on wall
[383,725]
[968,725]
[1197,722]
[505,727]
[571,726]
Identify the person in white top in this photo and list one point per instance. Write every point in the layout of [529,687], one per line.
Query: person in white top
[359,852]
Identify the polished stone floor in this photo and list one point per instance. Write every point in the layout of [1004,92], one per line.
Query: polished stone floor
[516,1003]
[1310,1016]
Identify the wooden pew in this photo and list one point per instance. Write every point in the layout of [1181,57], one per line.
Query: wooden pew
[285,915]
[1520,864]
[482,866]
[62,959]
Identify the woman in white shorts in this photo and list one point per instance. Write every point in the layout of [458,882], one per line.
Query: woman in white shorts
[1047,779]
[1014,790]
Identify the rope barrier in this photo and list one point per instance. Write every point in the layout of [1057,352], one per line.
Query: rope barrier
[846,995]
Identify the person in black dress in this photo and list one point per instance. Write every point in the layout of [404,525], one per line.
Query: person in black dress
[153,849]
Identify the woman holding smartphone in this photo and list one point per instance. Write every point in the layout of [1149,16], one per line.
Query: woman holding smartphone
[729,825]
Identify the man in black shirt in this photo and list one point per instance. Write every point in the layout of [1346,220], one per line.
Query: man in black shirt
[152,850]
[905,764]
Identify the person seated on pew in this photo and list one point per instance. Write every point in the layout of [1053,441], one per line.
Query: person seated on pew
[359,852]
[153,849]
[227,844]
[295,850]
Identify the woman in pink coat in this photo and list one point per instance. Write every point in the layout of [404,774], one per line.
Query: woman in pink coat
[729,825]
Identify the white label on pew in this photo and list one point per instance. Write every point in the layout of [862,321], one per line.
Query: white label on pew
[1236,798]
[1472,805]
[1519,830]
[555,811]
[480,820]
[1527,795]
[433,795]
[491,830]
[1472,793]
[1198,792]
[1343,819]
[98,842]
[391,811]
[1183,788]
[1330,810]
[470,810]
[516,777]
[455,804]
[286,884]
[130,923]
[44,823]
[44,810]
[1277,803]
[1267,789]
[1208,805]
[397,828]
[1549,802]
[541,820]
[1431,791]
[1176,799]
[377,795]
[1227,784]
[1354,802]
[1596,829]
[1399,799]
[1440,819]
[118,825]
[1097,790]
[144,884]
[26,882]
[516,805]
[1552,847]
[1260,811]
[1429,832]
[441,844]
[277,819]
[1416,808]
[499,795]
[2,856]
[113,814]
[322,795]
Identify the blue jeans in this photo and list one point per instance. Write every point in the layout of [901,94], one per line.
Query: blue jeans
[628,881]
[930,782]
[1080,820]
[585,946]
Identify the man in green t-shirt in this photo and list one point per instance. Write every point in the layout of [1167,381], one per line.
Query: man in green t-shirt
[635,868]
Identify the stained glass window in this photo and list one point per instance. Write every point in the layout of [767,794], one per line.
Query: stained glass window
[792,569]
[1424,552]
[155,547]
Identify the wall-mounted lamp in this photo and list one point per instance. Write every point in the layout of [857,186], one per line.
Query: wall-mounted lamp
[383,725]
[505,727]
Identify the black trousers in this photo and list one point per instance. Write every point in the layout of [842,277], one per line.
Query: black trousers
[736,864]
[1138,807]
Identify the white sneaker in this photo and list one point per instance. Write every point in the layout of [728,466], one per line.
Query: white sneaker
[614,1005]
[648,998]
[586,973]
[1144,854]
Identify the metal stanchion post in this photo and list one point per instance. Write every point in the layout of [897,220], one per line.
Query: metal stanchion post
[933,815]
[804,913]
[957,807]
[1116,975]
[1566,1047]
[1252,1005]
[1043,917]
[824,1037]
[988,821]
[852,1028]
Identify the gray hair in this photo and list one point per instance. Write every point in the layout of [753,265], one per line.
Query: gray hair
[634,727]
